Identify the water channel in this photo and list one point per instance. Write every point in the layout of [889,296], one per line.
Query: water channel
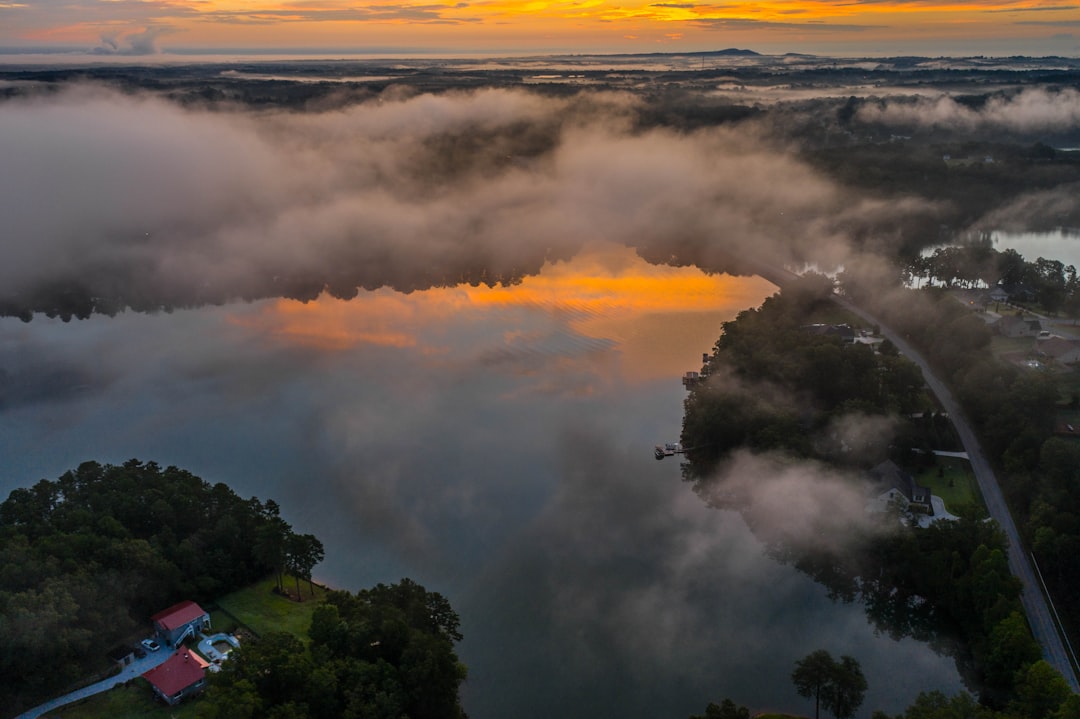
[494,445]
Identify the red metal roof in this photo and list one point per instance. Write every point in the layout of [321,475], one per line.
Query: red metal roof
[179,672]
[178,615]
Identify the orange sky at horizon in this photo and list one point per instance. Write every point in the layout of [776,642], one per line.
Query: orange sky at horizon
[148,26]
[659,319]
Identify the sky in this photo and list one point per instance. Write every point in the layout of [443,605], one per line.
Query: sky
[498,27]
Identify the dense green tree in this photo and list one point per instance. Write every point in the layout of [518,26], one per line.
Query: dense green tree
[1040,691]
[935,705]
[813,676]
[303,552]
[1010,649]
[726,709]
[847,689]
[386,652]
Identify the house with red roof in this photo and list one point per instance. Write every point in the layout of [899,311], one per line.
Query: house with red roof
[182,674]
[179,621]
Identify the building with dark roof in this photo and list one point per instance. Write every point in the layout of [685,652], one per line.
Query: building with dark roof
[895,483]
[1018,326]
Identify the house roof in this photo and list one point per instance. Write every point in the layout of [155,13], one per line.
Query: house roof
[1014,320]
[890,476]
[178,615]
[177,673]
[1057,346]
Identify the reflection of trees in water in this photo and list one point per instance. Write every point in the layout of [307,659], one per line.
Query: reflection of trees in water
[947,585]
[110,290]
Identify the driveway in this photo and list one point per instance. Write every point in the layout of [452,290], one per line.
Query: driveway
[131,671]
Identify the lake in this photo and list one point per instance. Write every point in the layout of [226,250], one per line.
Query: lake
[494,445]
[1061,244]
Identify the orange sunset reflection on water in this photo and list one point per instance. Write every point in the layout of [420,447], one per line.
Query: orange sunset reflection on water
[657,319]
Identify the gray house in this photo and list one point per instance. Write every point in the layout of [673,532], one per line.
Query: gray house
[180,621]
[1018,326]
[894,483]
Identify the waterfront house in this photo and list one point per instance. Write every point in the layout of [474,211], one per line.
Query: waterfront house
[182,674]
[894,484]
[180,621]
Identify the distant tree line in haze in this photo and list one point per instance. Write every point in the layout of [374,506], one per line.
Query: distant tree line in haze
[86,559]
[1046,284]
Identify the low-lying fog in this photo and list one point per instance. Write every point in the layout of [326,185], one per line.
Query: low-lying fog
[492,444]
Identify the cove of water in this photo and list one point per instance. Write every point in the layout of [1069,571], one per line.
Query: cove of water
[1061,244]
[494,445]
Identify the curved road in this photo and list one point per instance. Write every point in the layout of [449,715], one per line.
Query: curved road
[1035,605]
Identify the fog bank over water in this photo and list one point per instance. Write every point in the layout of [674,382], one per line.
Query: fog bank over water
[494,445]
[114,200]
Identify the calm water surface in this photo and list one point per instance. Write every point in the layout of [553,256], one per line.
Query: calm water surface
[493,444]
[1062,245]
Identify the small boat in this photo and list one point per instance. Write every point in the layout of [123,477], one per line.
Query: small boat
[667,450]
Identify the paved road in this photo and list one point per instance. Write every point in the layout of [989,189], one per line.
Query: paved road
[135,669]
[1035,604]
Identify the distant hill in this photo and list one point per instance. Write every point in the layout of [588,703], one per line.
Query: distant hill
[731,51]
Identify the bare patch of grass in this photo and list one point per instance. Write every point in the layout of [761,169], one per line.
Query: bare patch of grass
[134,700]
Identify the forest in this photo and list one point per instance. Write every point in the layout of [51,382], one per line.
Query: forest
[87,558]
[948,583]
[382,653]
[1015,412]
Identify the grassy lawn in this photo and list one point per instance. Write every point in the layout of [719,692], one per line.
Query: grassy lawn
[1004,345]
[1070,385]
[265,611]
[133,701]
[963,492]
[257,606]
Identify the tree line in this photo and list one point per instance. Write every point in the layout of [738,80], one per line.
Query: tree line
[1049,284]
[793,378]
[381,653]
[840,687]
[1014,411]
[948,583]
[837,686]
[87,558]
